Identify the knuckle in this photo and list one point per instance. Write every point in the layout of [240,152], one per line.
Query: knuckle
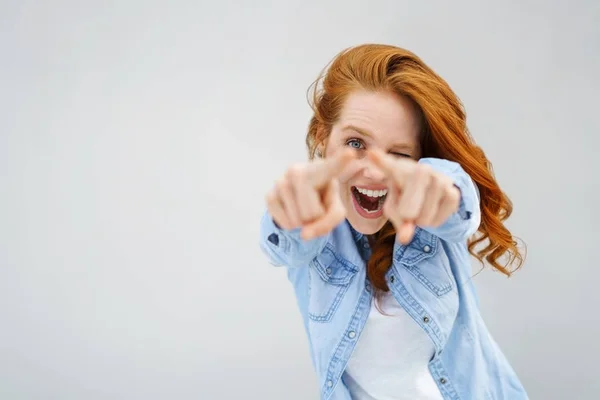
[310,216]
[423,170]
[270,197]
[287,226]
[390,211]
[444,180]
[453,194]
[279,218]
[441,184]
[425,224]
[335,214]
[404,212]
[321,231]
[318,212]
[426,220]
[282,222]
[295,172]
[408,214]
[339,213]
[282,184]
[438,182]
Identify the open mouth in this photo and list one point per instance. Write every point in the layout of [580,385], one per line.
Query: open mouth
[370,201]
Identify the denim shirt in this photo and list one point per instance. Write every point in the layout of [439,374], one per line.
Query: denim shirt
[430,278]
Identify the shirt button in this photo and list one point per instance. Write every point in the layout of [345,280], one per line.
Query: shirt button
[426,319]
[392,278]
[273,238]
[330,383]
[366,245]
[443,381]
[328,270]
[426,249]
[368,287]
[351,334]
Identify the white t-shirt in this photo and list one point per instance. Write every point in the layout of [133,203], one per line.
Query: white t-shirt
[390,361]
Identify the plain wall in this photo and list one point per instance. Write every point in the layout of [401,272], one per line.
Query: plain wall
[137,142]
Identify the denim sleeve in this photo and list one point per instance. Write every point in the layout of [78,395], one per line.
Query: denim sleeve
[465,222]
[287,248]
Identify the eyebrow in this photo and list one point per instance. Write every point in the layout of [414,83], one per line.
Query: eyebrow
[364,132]
[359,130]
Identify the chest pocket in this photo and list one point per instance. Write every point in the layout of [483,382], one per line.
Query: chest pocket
[427,261]
[330,277]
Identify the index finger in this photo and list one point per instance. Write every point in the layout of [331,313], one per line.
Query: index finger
[330,168]
[397,169]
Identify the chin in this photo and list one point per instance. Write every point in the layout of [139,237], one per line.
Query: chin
[365,226]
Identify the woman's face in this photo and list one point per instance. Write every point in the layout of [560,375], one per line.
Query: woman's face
[369,120]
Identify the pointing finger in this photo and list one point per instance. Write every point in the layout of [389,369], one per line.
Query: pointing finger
[333,216]
[398,170]
[405,229]
[405,232]
[328,169]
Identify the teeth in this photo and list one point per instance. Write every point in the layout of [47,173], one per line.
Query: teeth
[372,193]
[370,211]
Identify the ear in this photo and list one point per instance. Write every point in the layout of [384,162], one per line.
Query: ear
[322,144]
[320,150]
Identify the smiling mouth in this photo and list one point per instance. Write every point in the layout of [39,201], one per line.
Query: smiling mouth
[369,200]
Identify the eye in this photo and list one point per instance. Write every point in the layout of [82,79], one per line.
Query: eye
[401,155]
[355,144]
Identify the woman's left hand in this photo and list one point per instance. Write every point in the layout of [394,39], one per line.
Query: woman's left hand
[417,194]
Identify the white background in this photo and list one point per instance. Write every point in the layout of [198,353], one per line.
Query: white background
[137,141]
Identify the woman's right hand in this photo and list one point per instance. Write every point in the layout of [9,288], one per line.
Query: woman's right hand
[307,196]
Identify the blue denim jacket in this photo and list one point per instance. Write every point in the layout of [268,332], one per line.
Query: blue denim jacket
[430,278]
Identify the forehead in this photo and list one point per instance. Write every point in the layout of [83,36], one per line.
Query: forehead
[384,115]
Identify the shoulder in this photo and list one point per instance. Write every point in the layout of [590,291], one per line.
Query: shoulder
[436,263]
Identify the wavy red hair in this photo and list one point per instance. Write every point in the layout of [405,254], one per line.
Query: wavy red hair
[444,134]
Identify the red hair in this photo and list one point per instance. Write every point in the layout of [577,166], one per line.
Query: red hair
[444,134]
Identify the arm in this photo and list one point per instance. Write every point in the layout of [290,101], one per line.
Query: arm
[306,204]
[286,247]
[464,222]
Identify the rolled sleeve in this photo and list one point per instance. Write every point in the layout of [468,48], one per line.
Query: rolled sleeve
[465,221]
[286,247]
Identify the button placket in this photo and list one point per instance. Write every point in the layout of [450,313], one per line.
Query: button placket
[350,337]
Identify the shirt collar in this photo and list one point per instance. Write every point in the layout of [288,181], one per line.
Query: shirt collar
[358,237]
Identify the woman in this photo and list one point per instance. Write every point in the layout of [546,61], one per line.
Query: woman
[376,232]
